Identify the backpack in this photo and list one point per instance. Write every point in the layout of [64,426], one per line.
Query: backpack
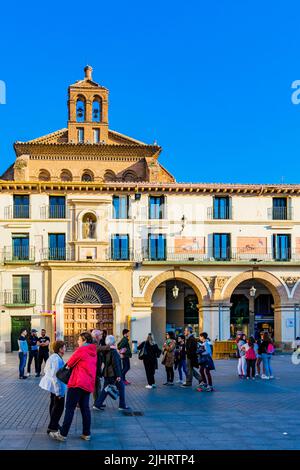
[250,354]
[270,349]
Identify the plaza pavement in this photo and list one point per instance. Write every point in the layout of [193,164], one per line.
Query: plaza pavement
[240,414]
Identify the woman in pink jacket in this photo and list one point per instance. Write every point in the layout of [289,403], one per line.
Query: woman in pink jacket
[81,384]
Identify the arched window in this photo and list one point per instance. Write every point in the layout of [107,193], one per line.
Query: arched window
[80,109]
[129,176]
[44,175]
[109,175]
[97,109]
[66,175]
[87,176]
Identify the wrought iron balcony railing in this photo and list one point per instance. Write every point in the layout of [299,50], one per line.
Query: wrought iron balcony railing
[17,212]
[54,212]
[280,213]
[18,254]
[225,213]
[58,254]
[18,297]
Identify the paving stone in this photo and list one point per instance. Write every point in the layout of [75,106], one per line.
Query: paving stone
[239,415]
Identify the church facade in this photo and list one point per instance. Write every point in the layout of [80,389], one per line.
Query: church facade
[96,233]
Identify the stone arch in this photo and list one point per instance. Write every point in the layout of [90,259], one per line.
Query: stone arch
[68,285]
[185,276]
[44,175]
[87,176]
[129,175]
[296,292]
[109,175]
[272,282]
[80,219]
[66,175]
[63,290]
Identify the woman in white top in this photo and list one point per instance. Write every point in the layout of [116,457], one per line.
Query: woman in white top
[53,385]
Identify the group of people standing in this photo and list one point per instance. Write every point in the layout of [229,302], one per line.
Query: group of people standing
[185,353]
[254,356]
[99,363]
[98,358]
[32,348]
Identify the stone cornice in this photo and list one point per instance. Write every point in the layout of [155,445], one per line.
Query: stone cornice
[145,187]
[72,151]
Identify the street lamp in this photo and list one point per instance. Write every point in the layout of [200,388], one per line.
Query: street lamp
[252,291]
[175,291]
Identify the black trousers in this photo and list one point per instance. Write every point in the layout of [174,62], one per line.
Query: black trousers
[206,375]
[56,410]
[251,367]
[97,389]
[150,371]
[33,355]
[170,374]
[74,396]
[125,367]
[43,356]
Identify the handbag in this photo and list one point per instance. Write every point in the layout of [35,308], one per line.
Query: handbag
[64,374]
[142,352]
[112,391]
[164,358]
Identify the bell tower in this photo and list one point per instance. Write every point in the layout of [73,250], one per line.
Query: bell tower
[88,111]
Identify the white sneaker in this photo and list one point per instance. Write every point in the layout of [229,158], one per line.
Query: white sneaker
[28,374]
[179,382]
[57,436]
[271,377]
[263,376]
[149,386]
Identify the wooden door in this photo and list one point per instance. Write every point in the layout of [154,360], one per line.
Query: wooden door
[79,318]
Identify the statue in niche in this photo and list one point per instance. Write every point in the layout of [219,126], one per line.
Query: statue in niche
[89,228]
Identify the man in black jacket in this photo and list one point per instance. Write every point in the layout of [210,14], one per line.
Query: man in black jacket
[112,374]
[191,357]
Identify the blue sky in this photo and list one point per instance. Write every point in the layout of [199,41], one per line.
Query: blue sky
[210,81]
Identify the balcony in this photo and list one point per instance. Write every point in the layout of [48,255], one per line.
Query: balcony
[54,212]
[19,254]
[225,214]
[280,213]
[17,212]
[233,255]
[58,254]
[173,255]
[19,298]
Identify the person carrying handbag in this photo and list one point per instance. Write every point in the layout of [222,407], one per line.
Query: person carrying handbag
[112,373]
[149,352]
[81,384]
[52,384]
[206,365]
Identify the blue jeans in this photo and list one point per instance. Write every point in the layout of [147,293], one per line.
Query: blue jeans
[125,367]
[22,363]
[80,396]
[111,380]
[182,367]
[266,358]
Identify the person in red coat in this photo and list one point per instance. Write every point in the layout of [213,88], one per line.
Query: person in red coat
[81,384]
